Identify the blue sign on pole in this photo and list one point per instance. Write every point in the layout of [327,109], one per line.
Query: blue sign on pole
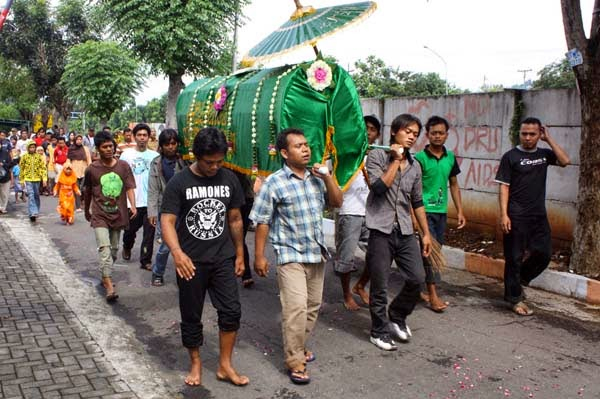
[575,58]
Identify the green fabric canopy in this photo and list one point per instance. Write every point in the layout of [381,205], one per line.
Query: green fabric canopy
[272,100]
[307,26]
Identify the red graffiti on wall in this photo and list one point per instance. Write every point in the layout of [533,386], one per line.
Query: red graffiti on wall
[475,106]
[481,138]
[418,107]
[478,173]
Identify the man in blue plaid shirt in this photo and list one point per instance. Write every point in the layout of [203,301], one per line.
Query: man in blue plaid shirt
[289,210]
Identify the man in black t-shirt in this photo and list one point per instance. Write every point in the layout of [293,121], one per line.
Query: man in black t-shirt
[522,195]
[202,226]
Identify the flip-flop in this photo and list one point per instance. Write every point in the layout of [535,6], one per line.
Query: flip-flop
[299,376]
[521,309]
[309,356]
[111,298]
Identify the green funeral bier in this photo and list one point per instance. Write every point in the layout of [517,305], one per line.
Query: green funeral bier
[252,106]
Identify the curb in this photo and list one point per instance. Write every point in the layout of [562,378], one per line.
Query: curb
[562,283]
[567,284]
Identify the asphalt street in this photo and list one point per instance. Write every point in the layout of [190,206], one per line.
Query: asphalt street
[476,349]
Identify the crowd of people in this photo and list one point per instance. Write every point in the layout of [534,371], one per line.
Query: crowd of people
[200,213]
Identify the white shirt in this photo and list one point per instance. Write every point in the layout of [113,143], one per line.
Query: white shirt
[355,198]
[139,162]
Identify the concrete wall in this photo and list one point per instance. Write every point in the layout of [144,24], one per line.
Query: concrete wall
[479,135]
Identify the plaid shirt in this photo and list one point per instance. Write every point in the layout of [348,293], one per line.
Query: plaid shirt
[293,208]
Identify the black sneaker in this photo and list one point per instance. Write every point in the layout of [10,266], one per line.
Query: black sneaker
[400,330]
[126,254]
[33,218]
[384,343]
[157,280]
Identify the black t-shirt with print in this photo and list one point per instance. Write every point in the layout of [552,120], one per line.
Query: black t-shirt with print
[201,205]
[525,172]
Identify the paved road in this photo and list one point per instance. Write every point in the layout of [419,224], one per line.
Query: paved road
[477,349]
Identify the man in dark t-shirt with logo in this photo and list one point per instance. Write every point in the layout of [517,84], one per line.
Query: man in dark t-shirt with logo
[522,195]
[202,226]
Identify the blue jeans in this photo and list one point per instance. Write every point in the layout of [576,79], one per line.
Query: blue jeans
[33,192]
[162,255]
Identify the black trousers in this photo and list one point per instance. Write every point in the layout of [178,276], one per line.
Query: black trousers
[220,282]
[529,236]
[245,211]
[381,250]
[140,220]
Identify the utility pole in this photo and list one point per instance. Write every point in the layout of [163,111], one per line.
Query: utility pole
[443,60]
[235,36]
[524,72]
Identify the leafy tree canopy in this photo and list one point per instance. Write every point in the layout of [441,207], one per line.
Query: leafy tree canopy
[101,77]
[557,75]
[373,78]
[17,93]
[175,36]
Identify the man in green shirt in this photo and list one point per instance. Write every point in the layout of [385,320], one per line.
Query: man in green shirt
[439,167]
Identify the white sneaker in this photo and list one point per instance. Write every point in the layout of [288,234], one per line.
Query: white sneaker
[401,331]
[384,343]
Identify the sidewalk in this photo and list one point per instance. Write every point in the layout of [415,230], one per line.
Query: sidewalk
[45,351]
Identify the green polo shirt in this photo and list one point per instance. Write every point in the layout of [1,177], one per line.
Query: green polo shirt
[436,173]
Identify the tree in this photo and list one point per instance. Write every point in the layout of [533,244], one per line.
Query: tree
[155,110]
[586,246]
[33,41]
[38,39]
[491,88]
[101,77]
[176,37]
[17,93]
[557,75]
[374,78]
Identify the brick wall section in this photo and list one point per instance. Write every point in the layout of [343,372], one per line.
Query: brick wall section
[45,352]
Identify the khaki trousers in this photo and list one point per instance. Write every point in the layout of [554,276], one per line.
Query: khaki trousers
[301,293]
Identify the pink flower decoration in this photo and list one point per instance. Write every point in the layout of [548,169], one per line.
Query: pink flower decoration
[220,98]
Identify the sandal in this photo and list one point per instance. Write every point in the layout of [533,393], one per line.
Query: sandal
[299,377]
[112,297]
[522,309]
[157,280]
[309,356]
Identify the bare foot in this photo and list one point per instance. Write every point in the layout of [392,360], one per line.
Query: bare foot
[437,305]
[230,375]
[194,378]
[360,291]
[350,304]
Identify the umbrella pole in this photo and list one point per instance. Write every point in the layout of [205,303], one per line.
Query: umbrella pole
[316,50]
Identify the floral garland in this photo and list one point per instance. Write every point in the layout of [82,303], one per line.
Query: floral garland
[271,148]
[193,109]
[229,134]
[253,119]
[319,75]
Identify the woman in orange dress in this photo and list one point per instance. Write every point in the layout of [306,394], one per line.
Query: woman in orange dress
[66,187]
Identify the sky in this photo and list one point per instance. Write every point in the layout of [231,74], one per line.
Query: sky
[481,41]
